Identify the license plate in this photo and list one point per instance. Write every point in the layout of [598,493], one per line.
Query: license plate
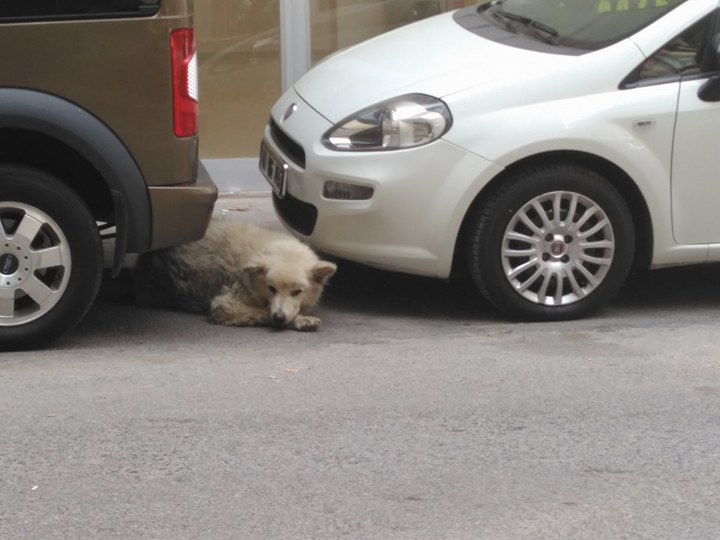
[274,169]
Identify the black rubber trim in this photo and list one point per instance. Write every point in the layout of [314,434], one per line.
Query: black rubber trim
[121,213]
[12,11]
[67,122]
[290,148]
[299,215]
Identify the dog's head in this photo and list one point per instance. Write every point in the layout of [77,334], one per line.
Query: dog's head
[288,289]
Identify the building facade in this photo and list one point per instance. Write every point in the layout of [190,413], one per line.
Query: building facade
[251,50]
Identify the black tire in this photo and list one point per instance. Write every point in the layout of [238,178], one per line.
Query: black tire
[551,270]
[51,258]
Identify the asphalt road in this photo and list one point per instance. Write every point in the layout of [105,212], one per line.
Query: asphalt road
[416,412]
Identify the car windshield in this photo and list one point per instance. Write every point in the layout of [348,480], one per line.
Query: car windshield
[583,24]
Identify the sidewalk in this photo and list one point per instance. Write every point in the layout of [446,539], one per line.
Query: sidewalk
[255,206]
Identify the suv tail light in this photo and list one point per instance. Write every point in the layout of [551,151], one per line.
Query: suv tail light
[185,82]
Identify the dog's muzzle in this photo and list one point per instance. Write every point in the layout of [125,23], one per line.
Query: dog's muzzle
[279,320]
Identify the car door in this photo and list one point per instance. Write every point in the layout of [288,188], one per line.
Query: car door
[696,146]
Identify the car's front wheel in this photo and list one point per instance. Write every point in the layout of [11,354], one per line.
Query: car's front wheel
[51,257]
[552,243]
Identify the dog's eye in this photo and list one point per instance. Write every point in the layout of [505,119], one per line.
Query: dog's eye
[296,292]
[272,289]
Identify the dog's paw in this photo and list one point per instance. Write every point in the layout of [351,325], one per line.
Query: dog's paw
[235,319]
[221,314]
[305,323]
[228,310]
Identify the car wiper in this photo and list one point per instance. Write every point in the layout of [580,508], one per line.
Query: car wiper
[546,32]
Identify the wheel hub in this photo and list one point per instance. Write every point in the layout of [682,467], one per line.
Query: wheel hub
[35,263]
[8,264]
[14,265]
[558,248]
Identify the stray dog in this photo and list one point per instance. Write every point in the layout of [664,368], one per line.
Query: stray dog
[239,274]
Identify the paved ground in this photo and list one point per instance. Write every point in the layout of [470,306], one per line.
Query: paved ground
[416,412]
[255,206]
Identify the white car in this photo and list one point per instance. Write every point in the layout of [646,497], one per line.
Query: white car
[547,148]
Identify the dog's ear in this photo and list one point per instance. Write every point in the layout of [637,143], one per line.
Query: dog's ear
[256,269]
[322,271]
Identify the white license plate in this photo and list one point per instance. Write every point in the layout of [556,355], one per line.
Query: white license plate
[274,169]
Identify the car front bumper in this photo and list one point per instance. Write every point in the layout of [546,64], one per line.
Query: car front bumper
[419,196]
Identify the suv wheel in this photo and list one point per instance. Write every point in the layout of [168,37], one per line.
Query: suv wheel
[51,257]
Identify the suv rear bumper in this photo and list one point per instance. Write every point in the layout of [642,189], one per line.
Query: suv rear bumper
[182,213]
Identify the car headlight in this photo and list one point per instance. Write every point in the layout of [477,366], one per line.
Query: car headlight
[401,122]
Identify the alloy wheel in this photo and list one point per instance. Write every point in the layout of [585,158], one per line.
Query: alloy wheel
[35,263]
[558,248]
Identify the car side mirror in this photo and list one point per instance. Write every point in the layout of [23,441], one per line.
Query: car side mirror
[710,90]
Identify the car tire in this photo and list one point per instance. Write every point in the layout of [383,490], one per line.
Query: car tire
[51,258]
[551,243]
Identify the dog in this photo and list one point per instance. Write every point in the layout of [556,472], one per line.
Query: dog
[239,275]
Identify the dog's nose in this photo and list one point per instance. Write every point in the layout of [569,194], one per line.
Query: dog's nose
[279,319]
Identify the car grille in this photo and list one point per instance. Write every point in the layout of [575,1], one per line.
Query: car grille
[299,215]
[289,147]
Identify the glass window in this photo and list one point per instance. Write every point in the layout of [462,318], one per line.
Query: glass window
[239,53]
[53,9]
[582,24]
[337,24]
[681,56]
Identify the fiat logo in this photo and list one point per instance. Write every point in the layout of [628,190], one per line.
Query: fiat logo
[289,112]
[557,248]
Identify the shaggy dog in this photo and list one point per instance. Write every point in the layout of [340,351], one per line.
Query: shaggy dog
[239,274]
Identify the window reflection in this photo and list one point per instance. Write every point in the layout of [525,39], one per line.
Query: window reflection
[681,56]
[337,24]
[239,53]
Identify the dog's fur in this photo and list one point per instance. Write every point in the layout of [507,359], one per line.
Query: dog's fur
[239,274]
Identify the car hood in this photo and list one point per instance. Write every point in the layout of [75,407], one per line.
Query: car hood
[436,57]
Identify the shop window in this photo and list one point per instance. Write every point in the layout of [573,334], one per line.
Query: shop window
[240,64]
[239,55]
